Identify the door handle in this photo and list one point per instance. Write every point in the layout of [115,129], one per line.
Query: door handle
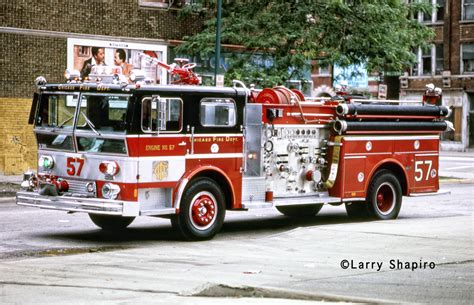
[182,144]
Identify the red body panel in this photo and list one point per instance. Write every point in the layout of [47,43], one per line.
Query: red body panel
[359,160]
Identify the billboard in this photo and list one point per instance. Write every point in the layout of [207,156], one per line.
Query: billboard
[83,54]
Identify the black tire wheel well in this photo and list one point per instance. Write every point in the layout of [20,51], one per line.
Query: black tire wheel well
[219,179]
[384,195]
[202,210]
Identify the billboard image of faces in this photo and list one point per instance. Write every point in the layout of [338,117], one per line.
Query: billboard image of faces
[85,54]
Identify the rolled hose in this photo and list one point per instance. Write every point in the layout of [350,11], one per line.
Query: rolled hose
[341,126]
[395,110]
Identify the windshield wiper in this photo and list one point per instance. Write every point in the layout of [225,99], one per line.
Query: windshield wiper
[90,124]
[64,122]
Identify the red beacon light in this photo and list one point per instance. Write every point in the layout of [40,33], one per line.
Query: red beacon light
[110,168]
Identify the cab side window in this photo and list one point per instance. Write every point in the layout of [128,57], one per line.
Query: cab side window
[217,112]
[164,114]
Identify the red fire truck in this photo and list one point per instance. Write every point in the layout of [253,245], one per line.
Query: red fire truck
[120,150]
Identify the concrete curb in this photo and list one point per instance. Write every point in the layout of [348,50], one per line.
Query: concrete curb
[226,291]
[7,199]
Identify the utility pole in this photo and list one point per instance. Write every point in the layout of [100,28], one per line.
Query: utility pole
[218,40]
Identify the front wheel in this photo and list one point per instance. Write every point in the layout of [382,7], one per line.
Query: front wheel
[202,210]
[111,222]
[384,196]
[300,210]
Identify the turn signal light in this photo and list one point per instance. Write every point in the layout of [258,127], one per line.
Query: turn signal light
[110,168]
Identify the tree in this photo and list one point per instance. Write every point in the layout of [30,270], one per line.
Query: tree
[378,34]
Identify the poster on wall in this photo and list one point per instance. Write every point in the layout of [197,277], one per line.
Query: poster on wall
[83,54]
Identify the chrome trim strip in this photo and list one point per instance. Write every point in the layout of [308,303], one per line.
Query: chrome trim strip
[354,199]
[426,155]
[368,154]
[355,157]
[388,138]
[215,156]
[168,211]
[416,152]
[179,194]
[181,135]
[310,114]
[73,204]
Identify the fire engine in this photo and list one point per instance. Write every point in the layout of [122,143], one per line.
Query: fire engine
[117,150]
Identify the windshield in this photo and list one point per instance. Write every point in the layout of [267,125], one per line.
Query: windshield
[102,114]
[99,117]
[57,110]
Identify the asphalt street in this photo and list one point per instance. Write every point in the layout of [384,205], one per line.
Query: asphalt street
[261,256]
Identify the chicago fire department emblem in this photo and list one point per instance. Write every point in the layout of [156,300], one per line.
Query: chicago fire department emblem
[160,170]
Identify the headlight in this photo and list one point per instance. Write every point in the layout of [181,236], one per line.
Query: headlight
[46,162]
[110,191]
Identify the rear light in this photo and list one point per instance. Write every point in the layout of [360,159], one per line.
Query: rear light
[110,168]
[110,191]
[46,162]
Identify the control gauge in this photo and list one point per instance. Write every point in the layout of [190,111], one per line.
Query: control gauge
[268,146]
[269,133]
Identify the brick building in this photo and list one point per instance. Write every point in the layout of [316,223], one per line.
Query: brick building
[449,64]
[37,39]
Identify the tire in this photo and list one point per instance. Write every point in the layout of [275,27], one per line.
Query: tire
[111,222]
[384,196]
[202,210]
[300,210]
[358,210]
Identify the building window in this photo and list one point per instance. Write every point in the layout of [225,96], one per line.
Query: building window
[439,10]
[439,61]
[467,58]
[426,60]
[468,10]
[436,14]
[429,61]
[154,3]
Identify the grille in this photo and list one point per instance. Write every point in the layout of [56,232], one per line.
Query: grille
[79,188]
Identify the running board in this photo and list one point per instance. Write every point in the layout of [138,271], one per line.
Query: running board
[439,192]
[288,201]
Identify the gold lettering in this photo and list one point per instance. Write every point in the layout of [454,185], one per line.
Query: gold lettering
[152,147]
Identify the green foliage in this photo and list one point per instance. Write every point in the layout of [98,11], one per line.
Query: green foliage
[379,34]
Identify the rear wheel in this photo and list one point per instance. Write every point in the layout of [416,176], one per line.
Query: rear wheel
[202,210]
[384,196]
[111,222]
[300,210]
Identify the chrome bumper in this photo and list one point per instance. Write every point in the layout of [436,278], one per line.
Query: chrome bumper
[78,204]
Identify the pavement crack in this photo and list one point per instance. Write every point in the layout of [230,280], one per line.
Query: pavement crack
[87,287]
[456,263]
[390,234]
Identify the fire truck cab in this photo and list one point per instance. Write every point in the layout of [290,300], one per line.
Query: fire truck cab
[118,151]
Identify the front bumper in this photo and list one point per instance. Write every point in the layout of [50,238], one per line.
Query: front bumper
[78,204]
